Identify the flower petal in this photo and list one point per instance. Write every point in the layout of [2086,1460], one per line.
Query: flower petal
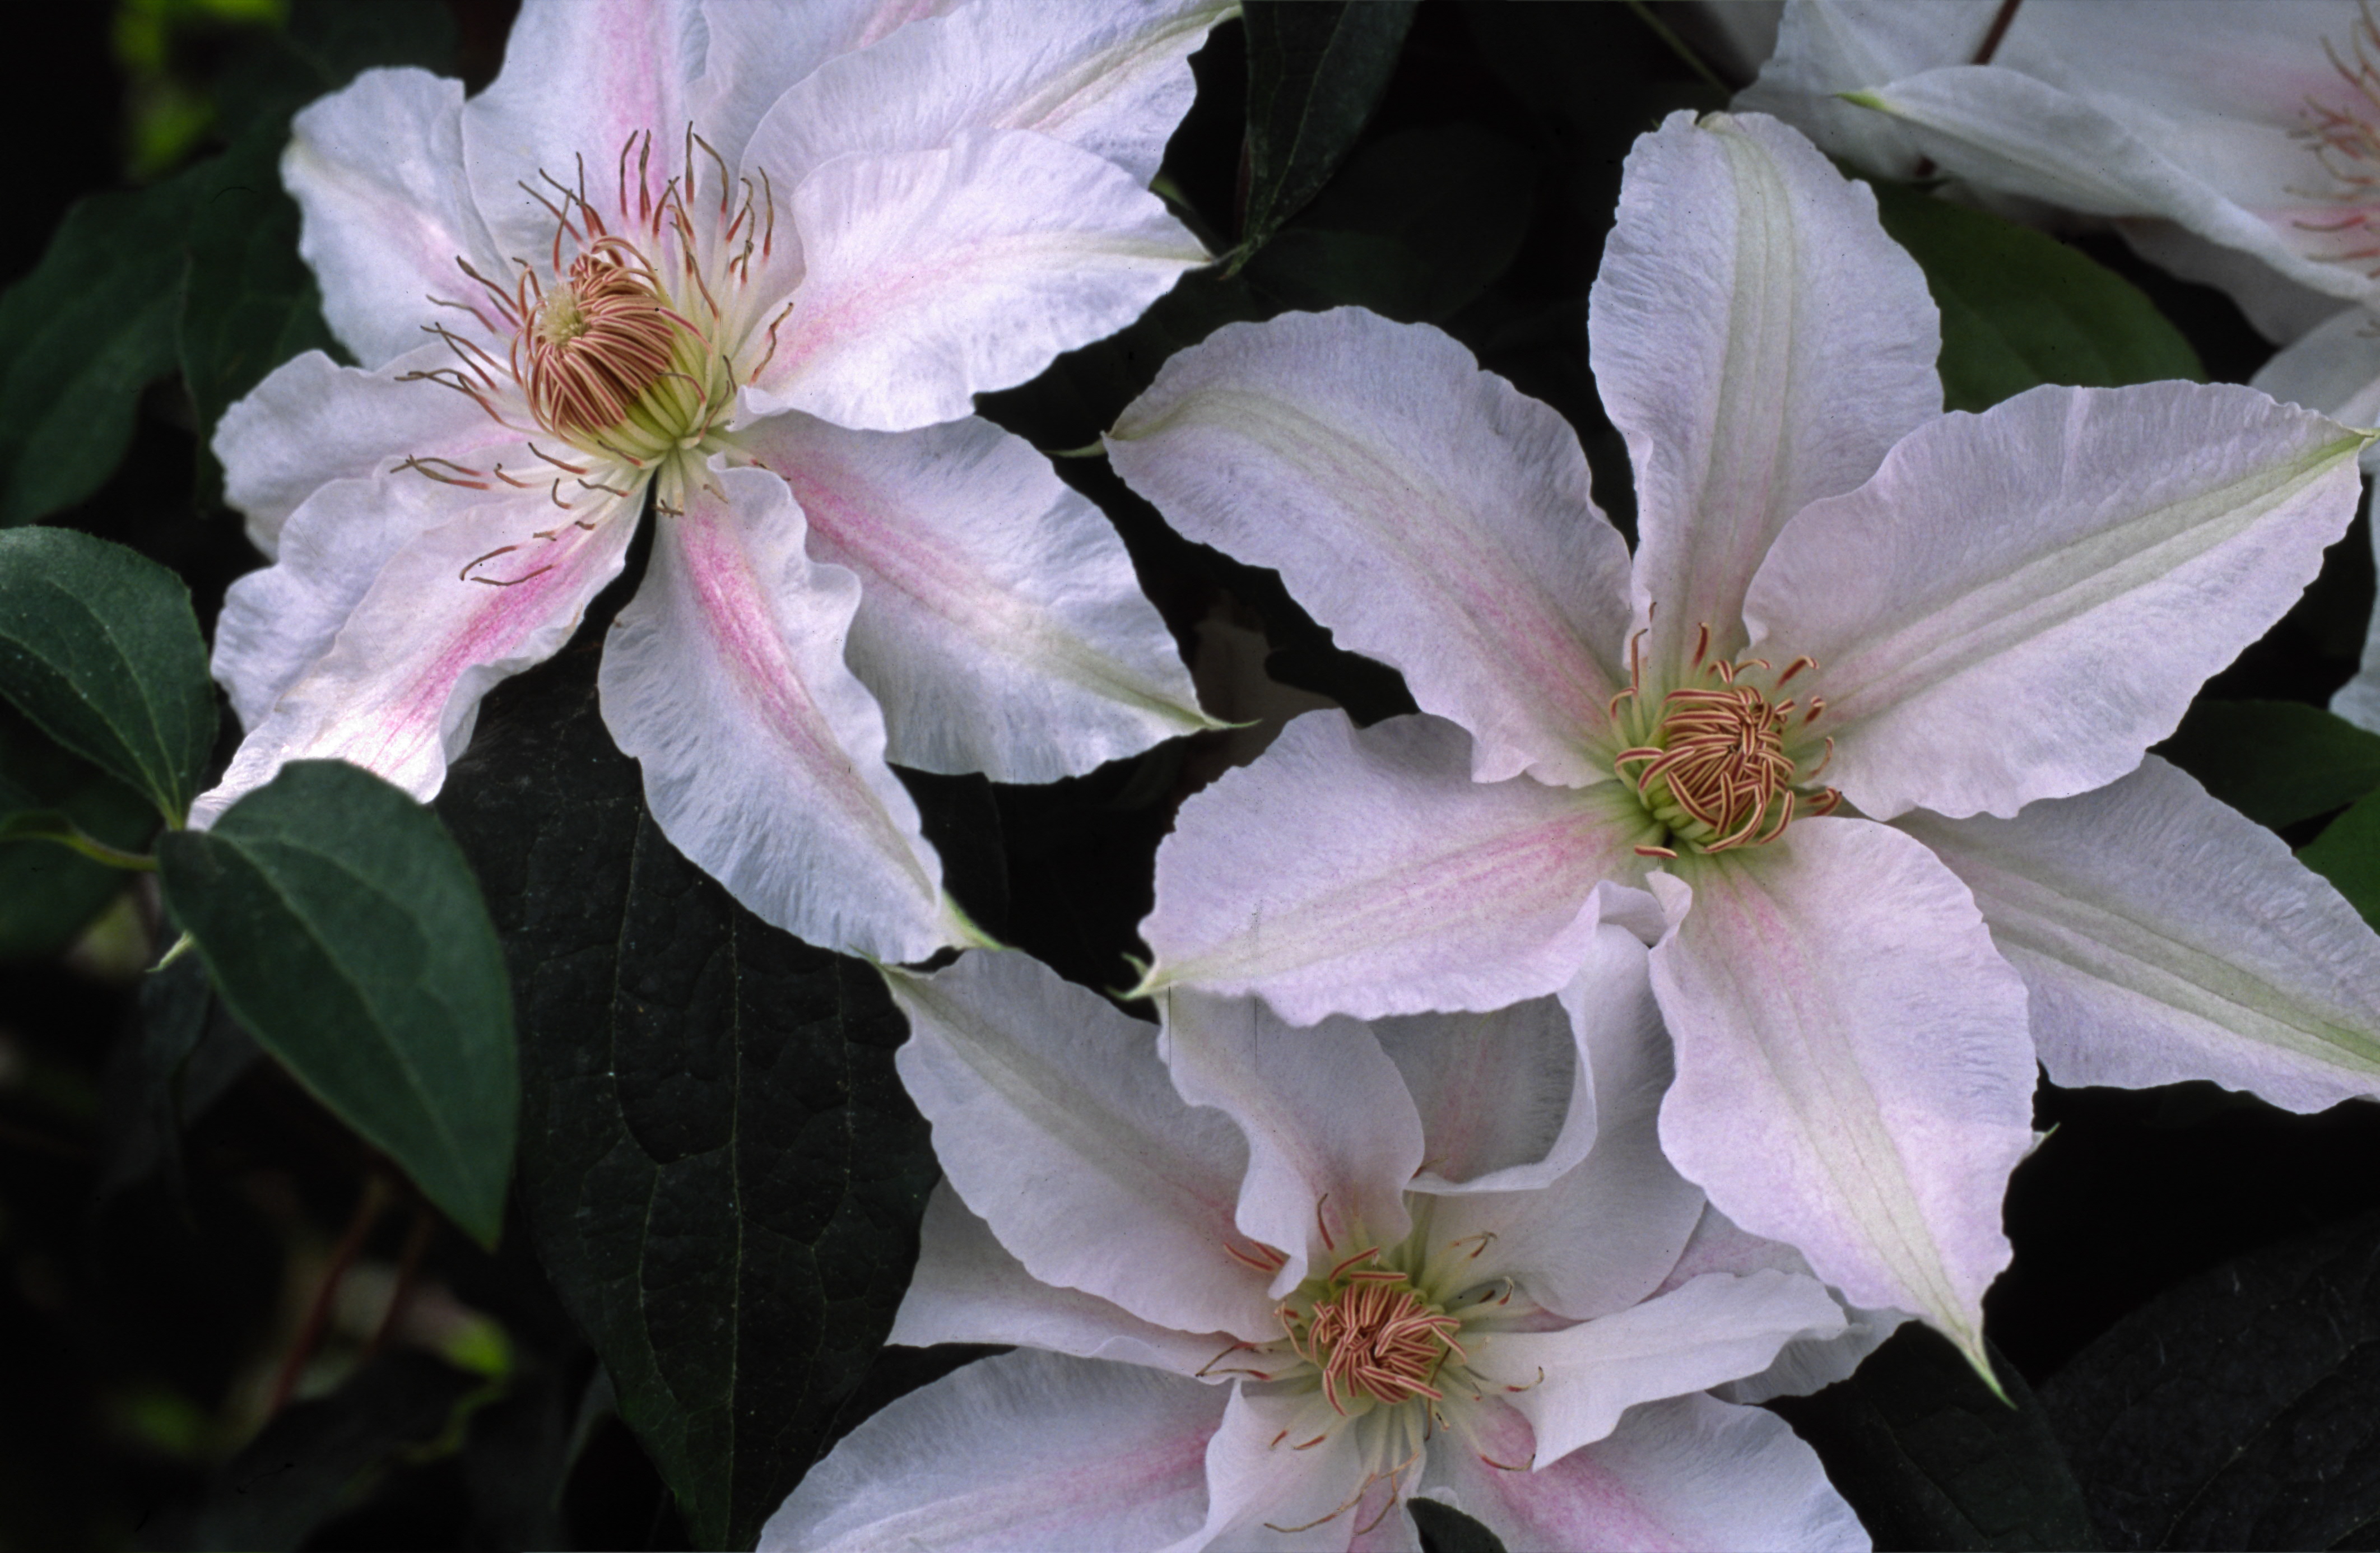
[1807,1364]
[2165,936]
[2334,369]
[1332,1136]
[1676,1477]
[1364,872]
[1854,1075]
[1506,1098]
[763,758]
[1113,79]
[967,1288]
[938,275]
[1606,1232]
[758,54]
[1001,623]
[398,689]
[1715,1327]
[312,421]
[1056,1121]
[377,170]
[578,81]
[1020,1453]
[2004,130]
[1286,1474]
[1425,511]
[1760,343]
[2022,601]
[1825,50]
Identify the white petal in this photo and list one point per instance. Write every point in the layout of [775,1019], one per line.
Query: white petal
[1761,343]
[1807,1364]
[938,275]
[1854,1074]
[399,688]
[1027,1452]
[1364,872]
[763,758]
[2163,937]
[1285,1474]
[1506,1098]
[1679,1477]
[2022,601]
[1332,1138]
[312,421]
[2276,307]
[1429,514]
[1835,46]
[578,81]
[1603,1235]
[1056,1121]
[2335,368]
[1113,79]
[1718,1326]
[758,53]
[377,170]
[2359,699]
[1001,623]
[967,1288]
[2005,130]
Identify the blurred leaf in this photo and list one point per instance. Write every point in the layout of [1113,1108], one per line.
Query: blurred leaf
[98,647]
[250,303]
[1929,1458]
[47,893]
[82,336]
[2020,308]
[2276,762]
[182,1054]
[1413,228]
[1316,71]
[306,1465]
[2239,1409]
[324,46]
[2347,854]
[722,1172]
[341,925]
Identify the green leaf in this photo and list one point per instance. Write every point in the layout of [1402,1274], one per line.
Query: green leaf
[1316,71]
[2020,309]
[2276,762]
[98,647]
[2241,1407]
[341,925]
[1413,228]
[1929,1458]
[47,893]
[2347,854]
[250,302]
[722,1175]
[81,335]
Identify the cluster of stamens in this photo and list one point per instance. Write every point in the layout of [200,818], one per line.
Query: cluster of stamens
[1715,771]
[1372,1336]
[2345,138]
[622,347]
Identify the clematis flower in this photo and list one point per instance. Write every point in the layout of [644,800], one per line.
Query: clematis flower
[747,263]
[1867,712]
[1314,1273]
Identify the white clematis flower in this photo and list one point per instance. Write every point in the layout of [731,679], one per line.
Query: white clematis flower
[1316,1272]
[753,261]
[1867,712]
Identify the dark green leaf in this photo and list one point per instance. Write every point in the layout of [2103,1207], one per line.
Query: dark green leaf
[2241,1408]
[2347,854]
[2276,762]
[323,47]
[1316,71]
[82,336]
[182,1056]
[1931,1458]
[2020,309]
[251,302]
[47,893]
[98,646]
[303,1468]
[722,1172]
[1413,228]
[341,925]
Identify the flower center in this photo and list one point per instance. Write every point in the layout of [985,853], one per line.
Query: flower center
[1369,1333]
[605,360]
[2344,138]
[1714,769]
